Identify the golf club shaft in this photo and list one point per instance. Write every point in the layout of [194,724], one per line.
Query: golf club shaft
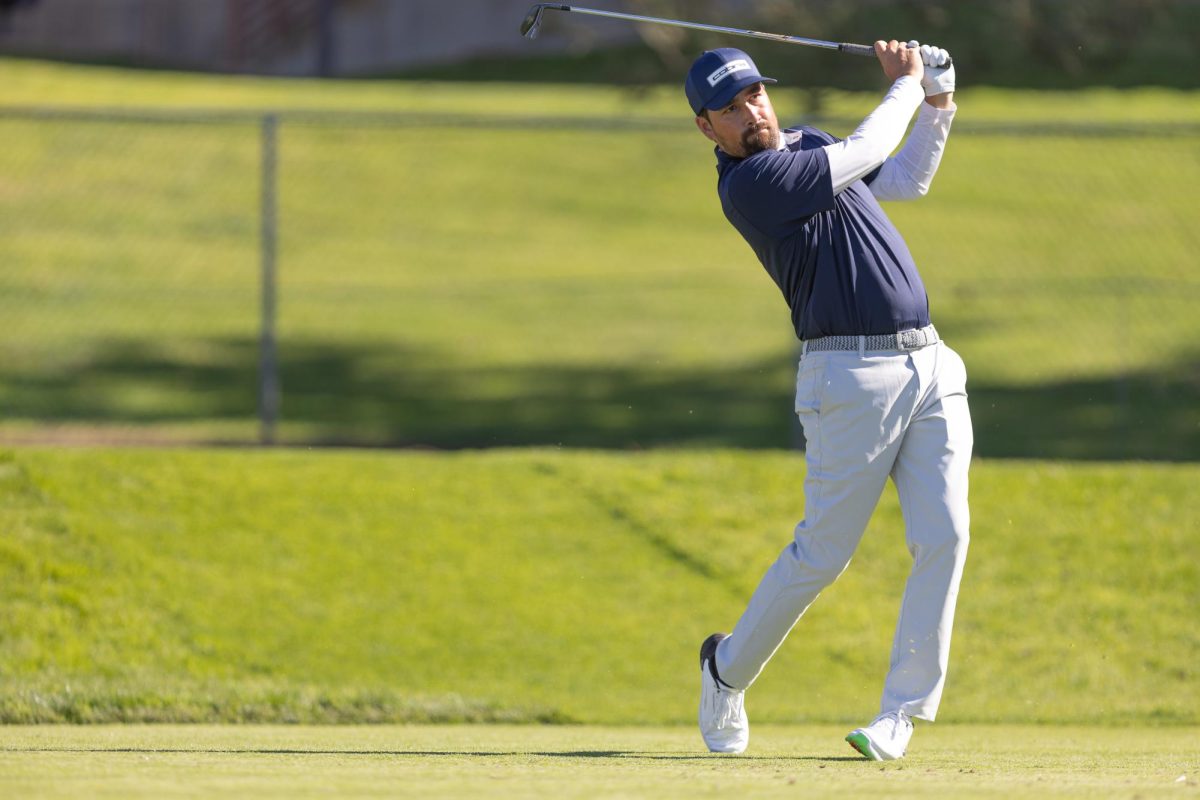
[855,49]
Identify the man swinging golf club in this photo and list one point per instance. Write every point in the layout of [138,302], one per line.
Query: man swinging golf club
[878,393]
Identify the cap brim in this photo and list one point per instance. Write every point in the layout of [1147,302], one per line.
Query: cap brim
[726,95]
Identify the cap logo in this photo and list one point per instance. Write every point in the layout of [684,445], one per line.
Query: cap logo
[726,69]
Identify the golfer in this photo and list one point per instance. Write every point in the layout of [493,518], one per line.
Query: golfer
[877,391]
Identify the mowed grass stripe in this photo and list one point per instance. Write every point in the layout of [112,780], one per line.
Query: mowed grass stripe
[558,586]
[951,761]
[37,83]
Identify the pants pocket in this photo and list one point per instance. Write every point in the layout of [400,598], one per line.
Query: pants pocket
[809,382]
[952,373]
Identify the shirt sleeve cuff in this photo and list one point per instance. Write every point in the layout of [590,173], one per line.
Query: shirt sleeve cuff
[910,85]
[930,114]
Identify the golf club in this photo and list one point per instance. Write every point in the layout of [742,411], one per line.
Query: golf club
[533,21]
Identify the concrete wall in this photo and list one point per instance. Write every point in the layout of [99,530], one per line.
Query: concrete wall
[285,37]
[184,33]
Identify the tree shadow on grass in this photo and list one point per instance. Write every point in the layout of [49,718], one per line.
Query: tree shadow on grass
[387,395]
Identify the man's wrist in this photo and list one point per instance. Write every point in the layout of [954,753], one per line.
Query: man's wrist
[943,101]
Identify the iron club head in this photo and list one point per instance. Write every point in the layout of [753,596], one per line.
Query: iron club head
[533,21]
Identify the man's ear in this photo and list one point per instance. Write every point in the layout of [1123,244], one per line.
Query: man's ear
[705,127]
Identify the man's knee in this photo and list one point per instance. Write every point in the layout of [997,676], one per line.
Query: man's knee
[822,558]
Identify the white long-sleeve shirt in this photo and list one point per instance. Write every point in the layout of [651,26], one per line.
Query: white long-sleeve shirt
[907,174]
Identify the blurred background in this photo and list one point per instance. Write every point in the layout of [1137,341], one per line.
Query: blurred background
[398,223]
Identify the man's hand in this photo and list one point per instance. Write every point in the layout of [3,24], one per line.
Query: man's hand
[899,60]
[939,71]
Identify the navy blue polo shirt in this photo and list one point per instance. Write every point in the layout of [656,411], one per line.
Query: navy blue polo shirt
[842,266]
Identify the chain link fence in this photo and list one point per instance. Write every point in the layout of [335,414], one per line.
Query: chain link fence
[400,280]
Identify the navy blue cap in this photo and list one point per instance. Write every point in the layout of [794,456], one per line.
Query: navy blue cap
[718,75]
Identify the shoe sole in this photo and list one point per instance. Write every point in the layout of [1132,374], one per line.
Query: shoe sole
[862,744]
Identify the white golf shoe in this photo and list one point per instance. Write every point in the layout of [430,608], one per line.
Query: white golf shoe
[723,722]
[885,739]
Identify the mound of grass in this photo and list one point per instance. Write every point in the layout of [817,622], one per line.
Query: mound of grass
[550,585]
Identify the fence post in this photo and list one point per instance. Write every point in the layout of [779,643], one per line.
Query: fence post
[268,362]
[326,54]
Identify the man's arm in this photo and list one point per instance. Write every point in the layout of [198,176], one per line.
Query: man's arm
[908,174]
[876,137]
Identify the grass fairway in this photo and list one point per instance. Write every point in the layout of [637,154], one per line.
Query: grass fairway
[951,761]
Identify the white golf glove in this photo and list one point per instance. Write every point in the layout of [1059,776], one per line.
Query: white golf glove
[939,71]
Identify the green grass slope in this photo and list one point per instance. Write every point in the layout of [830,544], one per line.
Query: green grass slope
[551,585]
[545,276]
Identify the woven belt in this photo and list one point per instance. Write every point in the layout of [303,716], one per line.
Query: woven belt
[903,341]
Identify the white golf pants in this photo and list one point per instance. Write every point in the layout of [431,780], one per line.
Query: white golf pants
[867,417]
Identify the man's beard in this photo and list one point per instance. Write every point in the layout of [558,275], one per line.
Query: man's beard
[762,137]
